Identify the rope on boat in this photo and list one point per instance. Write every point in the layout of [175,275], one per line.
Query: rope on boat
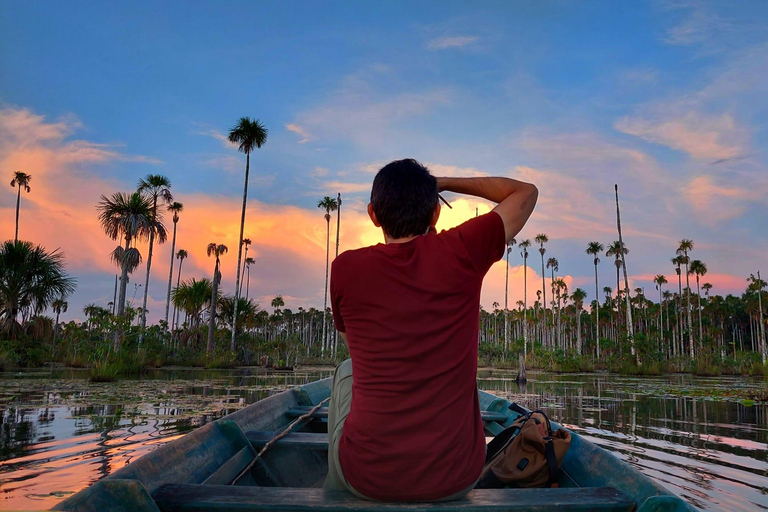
[279,436]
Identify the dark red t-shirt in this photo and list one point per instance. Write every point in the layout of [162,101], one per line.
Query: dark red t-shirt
[411,314]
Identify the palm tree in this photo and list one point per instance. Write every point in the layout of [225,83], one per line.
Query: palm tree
[553,264]
[247,134]
[630,327]
[578,297]
[248,262]
[699,268]
[541,239]
[595,248]
[277,303]
[20,180]
[683,249]
[757,285]
[510,244]
[155,186]
[30,280]
[328,204]
[216,250]
[176,208]
[127,216]
[677,261]
[181,256]
[191,297]
[524,245]
[59,306]
[246,243]
[660,280]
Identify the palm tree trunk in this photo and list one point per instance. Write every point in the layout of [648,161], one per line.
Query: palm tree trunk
[506,303]
[146,282]
[597,314]
[525,305]
[248,282]
[170,277]
[338,226]
[240,248]
[762,322]
[626,281]
[18,202]
[688,300]
[178,281]
[543,298]
[212,315]
[327,260]
[701,331]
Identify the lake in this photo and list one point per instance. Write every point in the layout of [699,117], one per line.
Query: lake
[702,438]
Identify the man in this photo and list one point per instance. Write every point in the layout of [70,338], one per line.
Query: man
[407,427]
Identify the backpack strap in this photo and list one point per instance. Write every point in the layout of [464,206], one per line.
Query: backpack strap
[519,410]
[500,441]
[549,423]
[549,453]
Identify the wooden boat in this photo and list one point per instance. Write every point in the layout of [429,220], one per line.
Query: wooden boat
[197,471]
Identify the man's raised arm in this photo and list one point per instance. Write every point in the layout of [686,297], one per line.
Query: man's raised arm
[516,199]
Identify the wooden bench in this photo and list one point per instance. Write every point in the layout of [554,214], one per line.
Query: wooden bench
[322,412]
[219,498]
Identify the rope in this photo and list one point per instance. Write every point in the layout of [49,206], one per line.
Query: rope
[278,437]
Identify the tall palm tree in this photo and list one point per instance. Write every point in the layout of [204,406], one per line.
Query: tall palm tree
[59,306]
[677,261]
[338,221]
[176,208]
[154,186]
[20,180]
[126,216]
[248,262]
[630,327]
[181,256]
[699,268]
[248,135]
[328,204]
[30,280]
[660,280]
[216,250]
[541,239]
[510,244]
[683,249]
[524,245]
[595,248]
[554,266]
[246,243]
[578,297]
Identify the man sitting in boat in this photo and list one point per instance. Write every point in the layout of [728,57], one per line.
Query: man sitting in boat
[407,428]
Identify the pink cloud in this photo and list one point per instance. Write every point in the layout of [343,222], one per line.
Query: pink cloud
[715,203]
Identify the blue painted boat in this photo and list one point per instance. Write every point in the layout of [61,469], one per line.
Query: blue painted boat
[218,468]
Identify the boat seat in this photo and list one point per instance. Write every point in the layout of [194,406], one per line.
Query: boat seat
[304,440]
[322,412]
[221,498]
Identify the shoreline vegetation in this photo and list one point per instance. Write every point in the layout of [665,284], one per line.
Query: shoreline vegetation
[686,329]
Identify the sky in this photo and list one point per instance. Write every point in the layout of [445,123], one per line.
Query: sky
[665,99]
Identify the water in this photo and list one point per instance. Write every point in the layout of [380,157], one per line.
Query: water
[61,433]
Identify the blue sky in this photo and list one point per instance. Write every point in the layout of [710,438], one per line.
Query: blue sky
[667,99]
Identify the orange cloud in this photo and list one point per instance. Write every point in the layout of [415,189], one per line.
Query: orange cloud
[701,136]
[714,203]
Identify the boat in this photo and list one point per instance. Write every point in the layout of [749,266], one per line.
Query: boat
[272,455]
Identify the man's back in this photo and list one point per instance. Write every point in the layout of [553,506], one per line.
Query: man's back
[410,313]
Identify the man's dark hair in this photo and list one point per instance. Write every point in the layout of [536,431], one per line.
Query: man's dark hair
[404,196]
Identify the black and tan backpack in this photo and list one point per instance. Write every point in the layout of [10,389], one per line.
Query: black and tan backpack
[526,454]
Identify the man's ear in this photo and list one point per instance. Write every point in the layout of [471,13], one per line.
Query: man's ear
[435,215]
[372,215]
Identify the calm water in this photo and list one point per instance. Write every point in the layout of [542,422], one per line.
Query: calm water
[698,437]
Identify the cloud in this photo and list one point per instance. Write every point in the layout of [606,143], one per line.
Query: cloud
[361,111]
[301,132]
[214,134]
[713,203]
[443,43]
[700,135]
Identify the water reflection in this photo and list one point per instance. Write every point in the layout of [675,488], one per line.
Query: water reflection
[710,450]
[60,433]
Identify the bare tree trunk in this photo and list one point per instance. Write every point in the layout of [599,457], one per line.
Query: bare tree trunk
[212,315]
[630,328]
[240,251]
[170,273]
[327,261]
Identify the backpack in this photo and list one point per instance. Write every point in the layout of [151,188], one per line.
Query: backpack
[526,454]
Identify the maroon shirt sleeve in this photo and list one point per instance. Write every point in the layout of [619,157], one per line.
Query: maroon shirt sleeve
[484,239]
[335,299]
